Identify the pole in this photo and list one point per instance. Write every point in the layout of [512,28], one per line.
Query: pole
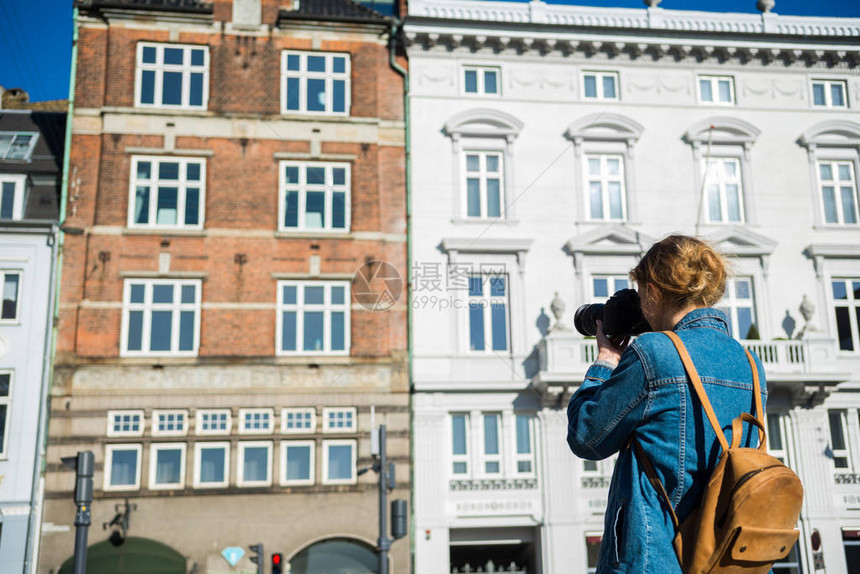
[384,543]
[83,497]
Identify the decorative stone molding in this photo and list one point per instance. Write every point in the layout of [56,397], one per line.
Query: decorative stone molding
[843,478]
[833,133]
[722,130]
[595,481]
[483,122]
[607,240]
[520,247]
[741,242]
[604,127]
[821,251]
[459,485]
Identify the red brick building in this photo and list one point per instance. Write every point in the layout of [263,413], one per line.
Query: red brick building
[233,165]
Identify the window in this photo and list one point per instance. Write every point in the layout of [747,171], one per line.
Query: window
[838,186]
[5,405]
[211,422]
[829,94]
[739,304]
[488,302]
[11,296]
[339,420]
[255,464]
[790,564]
[492,450]
[161,317]
[172,76]
[122,467]
[169,423]
[167,466]
[339,462]
[314,196]
[481,80]
[298,420]
[600,85]
[17,145]
[851,546]
[315,83]
[846,306]
[314,317]
[525,455]
[297,462]
[211,464]
[167,192]
[12,189]
[605,184]
[838,440]
[460,444]
[723,190]
[592,550]
[717,90]
[125,423]
[255,421]
[603,287]
[484,184]
[776,444]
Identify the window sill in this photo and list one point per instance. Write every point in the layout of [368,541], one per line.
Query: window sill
[836,226]
[304,234]
[164,231]
[484,221]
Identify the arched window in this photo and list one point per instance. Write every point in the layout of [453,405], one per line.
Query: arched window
[832,148]
[335,556]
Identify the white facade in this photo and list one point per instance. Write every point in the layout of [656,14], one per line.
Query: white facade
[551,145]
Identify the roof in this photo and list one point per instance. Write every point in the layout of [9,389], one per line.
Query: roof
[193,6]
[331,10]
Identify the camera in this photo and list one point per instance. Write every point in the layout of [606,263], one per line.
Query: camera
[621,315]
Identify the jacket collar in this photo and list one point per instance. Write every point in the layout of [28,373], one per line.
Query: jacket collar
[704,317]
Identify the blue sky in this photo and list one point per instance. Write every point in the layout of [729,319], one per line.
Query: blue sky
[36,35]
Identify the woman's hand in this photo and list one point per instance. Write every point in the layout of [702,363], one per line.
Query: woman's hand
[610,348]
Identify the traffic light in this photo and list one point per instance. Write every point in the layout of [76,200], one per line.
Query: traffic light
[257,556]
[277,563]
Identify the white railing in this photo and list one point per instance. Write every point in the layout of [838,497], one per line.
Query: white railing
[512,568]
[784,356]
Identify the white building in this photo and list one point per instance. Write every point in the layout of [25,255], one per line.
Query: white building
[551,145]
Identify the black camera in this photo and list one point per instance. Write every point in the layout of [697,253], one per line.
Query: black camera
[621,315]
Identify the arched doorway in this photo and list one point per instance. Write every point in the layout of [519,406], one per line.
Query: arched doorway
[335,556]
[134,556]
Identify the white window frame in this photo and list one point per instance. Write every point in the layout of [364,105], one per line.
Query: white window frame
[730,303]
[835,183]
[530,456]
[240,481]
[481,80]
[611,281]
[339,442]
[303,75]
[483,176]
[311,445]
[19,193]
[109,450]
[605,179]
[843,452]
[599,76]
[111,420]
[178,414]
[721,180]
[198,426]
[852,304]
[714,81]
[330,412]
[460,458]
[487,312]
[176,307]
[302,188]
[17,318]
[255,411]
[198,447]
[182,184]
[7,402]
[154,448]
[285,412]
[779,420]
[828,96]
[34,137]
[300,308]
[159,67]
[482,453]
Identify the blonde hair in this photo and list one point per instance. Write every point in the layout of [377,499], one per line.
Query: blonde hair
[685,270]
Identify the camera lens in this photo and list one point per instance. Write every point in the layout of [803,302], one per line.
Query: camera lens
[585,318]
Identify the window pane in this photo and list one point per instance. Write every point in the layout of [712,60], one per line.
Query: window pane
[492,467]
[613,166]
[493,163]
[255,464]
[160,335]
[298,462]
[837,95]
[339,462]
[173,55]
[338,96]
[167,466]
[839,290]
[524,466]
[742,289]
[19,147]
[337,294]
[494,202]
[338,210]
[292,93]
[473,197]
[837,437]
[596,196]
[843,329]
[497,286]
[3,409]
[818,94]
[313,333]
[291,213]
[171,90]
[476,286]
[490,82]
[196,90]
[293,62]
[849,210]
[826,171]
[337,331]
[7,201]
[705,88]
[149,54]
[197,57]
[316,63]
[724,87]
[471,82]
[212,463]
[829,197]
[135,330]
[192,206]
[774,432]
[500,328]
[288,342]
[744,322]
[5,143]
[123,470]
[615,205]
[5,380]
[315,175]
[458,434]
[491,434]
[733,204]
[473,163]
[844,171]
[10,296]
[338,65]
[594,166]
[609,87]
[186,331]
[590,86]
[162,293]
[315,295]
[290,293]
[460,468]
[600,288]
[524,444]
[147,87]
[166,209]
[476,326]
[715,211]
[316,95]
[315,209]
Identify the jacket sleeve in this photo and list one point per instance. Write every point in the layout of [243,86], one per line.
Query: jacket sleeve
[603,412]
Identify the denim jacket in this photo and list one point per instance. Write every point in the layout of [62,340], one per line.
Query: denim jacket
[647,397]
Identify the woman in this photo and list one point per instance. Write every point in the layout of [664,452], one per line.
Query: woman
[641,392]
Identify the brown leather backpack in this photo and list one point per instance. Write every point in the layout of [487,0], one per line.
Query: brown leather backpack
[745,521]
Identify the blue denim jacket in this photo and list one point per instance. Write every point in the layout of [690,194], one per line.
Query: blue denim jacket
[648,397]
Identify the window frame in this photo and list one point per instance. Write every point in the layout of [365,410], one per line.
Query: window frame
[198,447]
[485,457]
[198,422]
[851,303]
[16,320]
[7,402]
[159,67]
[182,185]
[339,442]
[300,308]
[483,178]
[721,182]
[828,95]
[18,194]
[153,465]
[730,303]
[329,188]
[840,215]
[842,453]
[605,179]
[179,413]
[243,430]
[28,154]
[460,458]
[481,80]
[714,80]
[305,410]
[329,411]
[608,277]
[108,461]
[240,465]
[599,76]
[112,414]
[530,457]
[328,77]
[147,308]
[285,445]
[487,312]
